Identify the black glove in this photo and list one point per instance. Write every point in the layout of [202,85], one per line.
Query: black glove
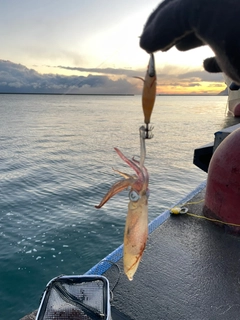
[188,24]
[234,87]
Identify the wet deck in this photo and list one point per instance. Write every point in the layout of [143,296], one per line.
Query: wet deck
[190,270]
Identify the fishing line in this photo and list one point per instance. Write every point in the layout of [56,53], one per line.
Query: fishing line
[226,109]
[112,55]
[75,84]
[122,45]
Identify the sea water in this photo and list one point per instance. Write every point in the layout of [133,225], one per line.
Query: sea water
[56,159]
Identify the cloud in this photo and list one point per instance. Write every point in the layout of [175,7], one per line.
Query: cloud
[16,78]
[109,71]
[201,75]
[168,76]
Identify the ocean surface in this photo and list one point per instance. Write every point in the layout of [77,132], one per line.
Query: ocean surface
[56,159]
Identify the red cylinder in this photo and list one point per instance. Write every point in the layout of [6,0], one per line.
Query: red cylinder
[222,199]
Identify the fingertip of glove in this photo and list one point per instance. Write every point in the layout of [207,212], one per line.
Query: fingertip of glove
[145,43]
[211,65]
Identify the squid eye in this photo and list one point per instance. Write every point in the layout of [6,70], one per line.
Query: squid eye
[133,196]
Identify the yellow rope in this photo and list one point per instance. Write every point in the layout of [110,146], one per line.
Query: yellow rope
[186,203]
[177,211]
[213,220]
[195,202]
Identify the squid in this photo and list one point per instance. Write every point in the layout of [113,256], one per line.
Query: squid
[136,227]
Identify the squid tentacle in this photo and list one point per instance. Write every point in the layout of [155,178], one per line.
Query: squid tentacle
[128,161]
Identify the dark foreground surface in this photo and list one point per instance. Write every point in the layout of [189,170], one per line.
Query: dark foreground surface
[190,270]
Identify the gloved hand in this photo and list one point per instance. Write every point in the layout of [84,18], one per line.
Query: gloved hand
[188,24]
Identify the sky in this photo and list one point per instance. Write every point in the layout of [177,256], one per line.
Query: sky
[90,46]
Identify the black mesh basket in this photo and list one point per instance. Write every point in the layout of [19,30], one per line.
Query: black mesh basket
[76,298]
